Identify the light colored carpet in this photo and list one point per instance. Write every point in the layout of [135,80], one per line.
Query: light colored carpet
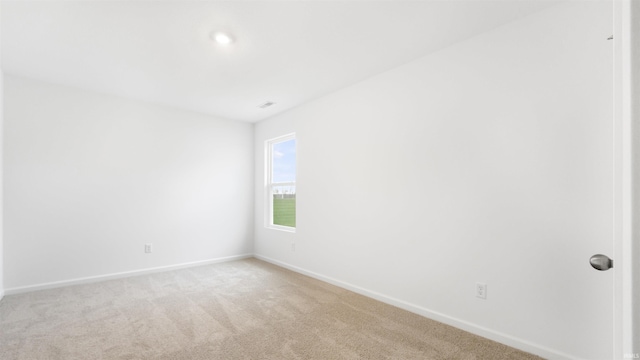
[237,310]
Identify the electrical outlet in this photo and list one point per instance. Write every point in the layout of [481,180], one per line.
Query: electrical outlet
[481,290]
[148,248]
[293,246]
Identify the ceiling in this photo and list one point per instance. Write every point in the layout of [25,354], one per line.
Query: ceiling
[287,52]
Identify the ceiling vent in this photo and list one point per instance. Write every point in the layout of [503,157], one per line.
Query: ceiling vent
[266,105]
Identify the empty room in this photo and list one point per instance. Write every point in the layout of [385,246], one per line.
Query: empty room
[319,179]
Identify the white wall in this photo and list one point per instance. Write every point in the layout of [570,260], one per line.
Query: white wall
[90,178]
[488,161]
[635,91]
[1,177]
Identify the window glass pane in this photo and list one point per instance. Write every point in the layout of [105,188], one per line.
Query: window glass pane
[282,182]
[284,161]
[284,205]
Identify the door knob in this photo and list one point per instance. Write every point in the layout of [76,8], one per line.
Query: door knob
[601,262]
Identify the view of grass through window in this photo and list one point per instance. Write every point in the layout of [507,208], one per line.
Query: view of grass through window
[284,212]
[283,186]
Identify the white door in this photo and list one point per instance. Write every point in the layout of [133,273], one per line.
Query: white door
[582,83]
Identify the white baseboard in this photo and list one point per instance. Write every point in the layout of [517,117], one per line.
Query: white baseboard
[434,315]
[1,294]
[93,279]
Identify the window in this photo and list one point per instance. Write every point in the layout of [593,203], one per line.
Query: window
[281,183]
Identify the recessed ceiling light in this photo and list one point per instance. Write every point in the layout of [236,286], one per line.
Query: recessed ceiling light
[221,38]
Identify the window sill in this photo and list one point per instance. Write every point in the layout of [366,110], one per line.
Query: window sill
[281,228]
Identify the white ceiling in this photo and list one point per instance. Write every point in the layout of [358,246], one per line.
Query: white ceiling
[288,52]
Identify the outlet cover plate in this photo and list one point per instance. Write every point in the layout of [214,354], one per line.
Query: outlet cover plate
[481,290]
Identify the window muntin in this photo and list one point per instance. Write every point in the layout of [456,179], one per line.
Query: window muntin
[281,183]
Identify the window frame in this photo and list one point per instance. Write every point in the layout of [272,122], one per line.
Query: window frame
[270,185]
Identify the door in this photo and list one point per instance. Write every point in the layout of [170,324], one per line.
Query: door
[584,89]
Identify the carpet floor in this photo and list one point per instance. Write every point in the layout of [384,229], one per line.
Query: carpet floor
[244,309]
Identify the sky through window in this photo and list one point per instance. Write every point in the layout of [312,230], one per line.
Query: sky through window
[284,161]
